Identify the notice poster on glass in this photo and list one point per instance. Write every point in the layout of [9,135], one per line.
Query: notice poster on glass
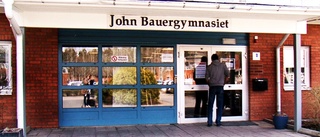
[230,62]
[200,70]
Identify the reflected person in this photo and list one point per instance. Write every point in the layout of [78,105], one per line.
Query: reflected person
[86,97]
[201,95]
[216,75]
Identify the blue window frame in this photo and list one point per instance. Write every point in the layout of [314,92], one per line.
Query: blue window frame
[100,80]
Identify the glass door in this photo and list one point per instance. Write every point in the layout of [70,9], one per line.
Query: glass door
[193,90]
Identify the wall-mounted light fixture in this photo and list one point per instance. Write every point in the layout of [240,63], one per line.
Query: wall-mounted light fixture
[255,39]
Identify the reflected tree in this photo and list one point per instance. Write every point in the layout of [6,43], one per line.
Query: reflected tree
[69,55]
[80,54]
[151,95]
[127,76]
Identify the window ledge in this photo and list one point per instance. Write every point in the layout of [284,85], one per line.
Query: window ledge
[291,88]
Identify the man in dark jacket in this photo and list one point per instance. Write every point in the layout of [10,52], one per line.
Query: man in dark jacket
[216,75]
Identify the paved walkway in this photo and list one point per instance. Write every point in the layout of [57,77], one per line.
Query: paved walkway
[259,129]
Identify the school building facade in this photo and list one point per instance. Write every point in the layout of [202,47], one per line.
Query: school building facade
[143,60]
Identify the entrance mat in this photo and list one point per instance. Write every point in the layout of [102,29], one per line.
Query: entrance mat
[239,123]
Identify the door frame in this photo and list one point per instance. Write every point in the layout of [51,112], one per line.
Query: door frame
[211,50]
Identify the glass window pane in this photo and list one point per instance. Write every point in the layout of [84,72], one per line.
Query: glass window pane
[156,97]
[156,75]
[233,61]
[195,67]
[80,98]
[119,54]
[288,64]
[232,103]
[119,76]
[119,97]
[5,67]
[80,54]
[156,54]
[196,103]
[77,76]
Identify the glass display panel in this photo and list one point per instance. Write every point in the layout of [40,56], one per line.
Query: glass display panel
[119,54]
[5,68]
[232,103]
[156,75]
[233,61]
[119,76]
[156,97]
[195,67]
[80,98]
[80,54]
[192,110]
[119,97]
[288,64]
[156,54]
[78,76]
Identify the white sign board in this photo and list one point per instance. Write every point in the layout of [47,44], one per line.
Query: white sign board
[167,58]
[255,55]
[119,59]
[230,62]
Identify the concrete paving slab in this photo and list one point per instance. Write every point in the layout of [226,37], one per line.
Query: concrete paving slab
[249,129]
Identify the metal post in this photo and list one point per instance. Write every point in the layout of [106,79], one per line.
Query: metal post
[297,82]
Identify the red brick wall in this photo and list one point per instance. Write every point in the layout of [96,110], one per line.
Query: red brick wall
[263,104]
[41,48]
[8,111]
[41,69]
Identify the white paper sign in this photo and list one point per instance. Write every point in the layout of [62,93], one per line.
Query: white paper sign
[255,55]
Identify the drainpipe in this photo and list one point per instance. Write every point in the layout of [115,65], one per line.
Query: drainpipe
[17,31]
[285,37]
[9,14]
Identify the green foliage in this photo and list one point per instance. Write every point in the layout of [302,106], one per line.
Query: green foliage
[149,96]
[147,77]
[124,96]
[127,75]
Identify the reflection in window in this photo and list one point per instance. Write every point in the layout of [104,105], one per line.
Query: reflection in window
[232,103]
[156,97]
[119,54]
[194,69]
[77,98]
[156,75]
[119,76]
[233,61]
[119,97]
[156,55]
[77,76]
[194,103]
[80,54]
[5,67]
[288,66]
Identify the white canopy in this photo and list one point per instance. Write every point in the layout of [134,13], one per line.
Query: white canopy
[245,16]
